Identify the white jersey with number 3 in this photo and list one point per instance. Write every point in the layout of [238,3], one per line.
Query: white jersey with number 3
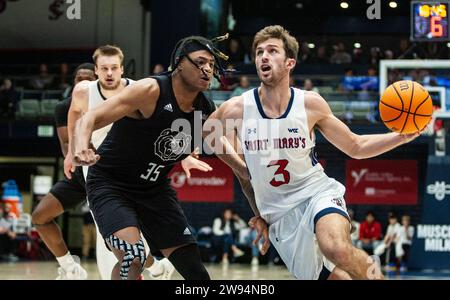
[280,158]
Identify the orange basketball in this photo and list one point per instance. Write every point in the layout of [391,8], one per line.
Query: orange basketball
[406,107]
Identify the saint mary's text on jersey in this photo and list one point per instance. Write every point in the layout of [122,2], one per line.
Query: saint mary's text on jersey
[278,143]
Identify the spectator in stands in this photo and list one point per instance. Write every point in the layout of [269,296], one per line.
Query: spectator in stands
[394,75]
[9,98]
[236,52]
[369,82]
[354,232]
[43,80]
[157,69]
[321,56]
[347,82]
[215,84]
[406,51]
[413,75]
[369,233]
[405,235]
[9,213]
[340,56]
[225,230]
[230,81]
[358,56]
[89,232]
[7,236]
[375,56]
[292,82]
[305,55]
[249,237]
[309,86]
[390,240]
[64,78]
[388,54]
[244,85]
[372,71]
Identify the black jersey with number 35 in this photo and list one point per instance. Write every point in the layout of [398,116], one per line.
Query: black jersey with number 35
[140,153]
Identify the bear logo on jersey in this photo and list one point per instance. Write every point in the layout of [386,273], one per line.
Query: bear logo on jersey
[170,145]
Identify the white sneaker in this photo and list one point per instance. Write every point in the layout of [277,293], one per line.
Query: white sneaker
[238,253]
[167,272]
[61,274]
[255,261]
[74,272]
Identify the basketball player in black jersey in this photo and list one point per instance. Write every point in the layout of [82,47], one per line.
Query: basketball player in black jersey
[108,61]
[64,195]
[127,182]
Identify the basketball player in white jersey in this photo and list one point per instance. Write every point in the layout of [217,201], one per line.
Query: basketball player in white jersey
[86,96]
[287,188]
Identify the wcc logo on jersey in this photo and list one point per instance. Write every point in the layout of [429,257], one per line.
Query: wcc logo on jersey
[170,145]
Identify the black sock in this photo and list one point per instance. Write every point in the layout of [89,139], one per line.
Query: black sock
[188,263]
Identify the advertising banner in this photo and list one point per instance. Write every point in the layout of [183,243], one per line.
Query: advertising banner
[391,182]
[212,186]
[430,248]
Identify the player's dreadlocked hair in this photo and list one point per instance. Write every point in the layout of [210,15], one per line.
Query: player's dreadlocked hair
[195,43]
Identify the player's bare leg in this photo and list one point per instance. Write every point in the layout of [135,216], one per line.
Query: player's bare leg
[333,236]
[339,274]
[43,219]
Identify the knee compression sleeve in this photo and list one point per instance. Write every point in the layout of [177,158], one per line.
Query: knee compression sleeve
[188,263]
[131,253]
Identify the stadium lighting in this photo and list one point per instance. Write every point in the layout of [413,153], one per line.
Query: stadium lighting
[344,5]
[311,46]
[393,4]
[357,45]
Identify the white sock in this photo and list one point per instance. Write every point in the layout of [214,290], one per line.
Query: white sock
[156,268]
[65,261]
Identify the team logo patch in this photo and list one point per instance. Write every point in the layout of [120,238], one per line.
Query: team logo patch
[170,145]
[168,107]
[338,201]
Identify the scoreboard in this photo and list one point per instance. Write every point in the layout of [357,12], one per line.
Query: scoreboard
[430,21]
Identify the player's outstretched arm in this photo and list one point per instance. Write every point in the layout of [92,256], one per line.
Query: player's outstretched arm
[137,100]
[337,133]
[219,133]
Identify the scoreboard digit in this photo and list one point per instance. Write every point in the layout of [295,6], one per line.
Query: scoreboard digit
[430,21]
